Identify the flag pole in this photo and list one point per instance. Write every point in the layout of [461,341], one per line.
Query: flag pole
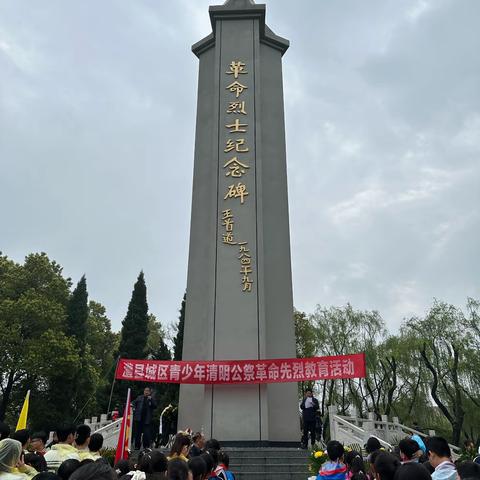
[113,384]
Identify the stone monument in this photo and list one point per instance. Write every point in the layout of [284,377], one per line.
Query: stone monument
[239,287]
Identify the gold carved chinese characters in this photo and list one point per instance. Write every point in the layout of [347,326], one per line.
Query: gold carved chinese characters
[236,167]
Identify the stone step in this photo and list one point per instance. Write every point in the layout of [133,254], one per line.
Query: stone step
[269,468]
[301,475]
[270,460]
[266,453]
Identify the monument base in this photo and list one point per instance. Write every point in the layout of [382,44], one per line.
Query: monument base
[259,444]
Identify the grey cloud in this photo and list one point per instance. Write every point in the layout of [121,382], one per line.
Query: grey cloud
[97,120]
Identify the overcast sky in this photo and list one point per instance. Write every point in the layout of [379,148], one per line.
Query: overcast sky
[382,98]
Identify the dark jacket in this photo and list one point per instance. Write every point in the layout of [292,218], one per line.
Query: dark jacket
[309,413]
[145,418]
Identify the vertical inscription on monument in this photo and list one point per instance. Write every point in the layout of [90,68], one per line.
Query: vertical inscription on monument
[236,167]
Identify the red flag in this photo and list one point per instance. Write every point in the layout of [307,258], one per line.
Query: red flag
[124,436]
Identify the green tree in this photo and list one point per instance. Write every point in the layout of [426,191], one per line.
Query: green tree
[304,342]
[134,333]
[77,314]
[33,344]
[178,341]
[447,346]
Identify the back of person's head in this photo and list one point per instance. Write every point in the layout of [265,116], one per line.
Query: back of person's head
[214,455]
[354,462]
[10,451]
[96,442]
[177,470]
[385,465]
[67,467]
[213,443]
[408,447]
[99,470]
[181,441]
[198,467]
[23,436]
[224,457]
[41,435]
[208,459]
[36,461]
[468,471]
[46,476]
[64,431]
[122,467]
[82,434]
[153,462]
[439,446]
[373,444]
[4,430]
[335,450]
[412,471]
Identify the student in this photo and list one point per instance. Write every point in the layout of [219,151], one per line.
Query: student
[63,450]
[180,448]
[468,471]
[4,430]
[10,458]
[384,465]
[95,445]
[46,476]
[177,470]
[412,471]
[198,445]
[439,456]
[99,470]
[224,464]
[82,439]
[409,450]
[38,441]
[23,436]
[198,468]
[35,461]
[333,468]
[154,464]
[66,469]
[355,466]
[373,444]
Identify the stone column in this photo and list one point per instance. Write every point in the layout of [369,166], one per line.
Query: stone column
[239,294]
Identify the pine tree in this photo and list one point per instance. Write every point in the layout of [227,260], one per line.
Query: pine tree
[134,332]
[178,341]
[77,314]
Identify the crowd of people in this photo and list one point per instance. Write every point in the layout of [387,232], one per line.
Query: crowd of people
[74,454]
[411,460]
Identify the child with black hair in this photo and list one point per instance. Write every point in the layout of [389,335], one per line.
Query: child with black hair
[355,466]
[36,461]
[197,467]
[82,439]
[177,469]
[334,468]
[224,463]
[384,465]
[412,471]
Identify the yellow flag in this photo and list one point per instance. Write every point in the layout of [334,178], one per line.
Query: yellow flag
[22,420]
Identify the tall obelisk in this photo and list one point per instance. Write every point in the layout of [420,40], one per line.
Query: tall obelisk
[239,288]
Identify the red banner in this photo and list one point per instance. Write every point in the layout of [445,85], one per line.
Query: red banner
[243,371]
[124,435]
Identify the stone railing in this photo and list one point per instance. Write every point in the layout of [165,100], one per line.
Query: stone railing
[353,429]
